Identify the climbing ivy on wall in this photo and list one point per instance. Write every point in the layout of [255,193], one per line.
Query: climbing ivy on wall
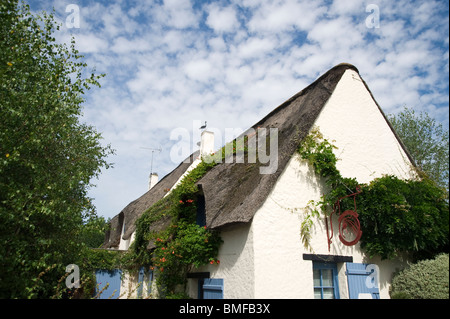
[395,215]
[181,245]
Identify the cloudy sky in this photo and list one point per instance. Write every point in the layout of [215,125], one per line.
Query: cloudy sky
[174,64]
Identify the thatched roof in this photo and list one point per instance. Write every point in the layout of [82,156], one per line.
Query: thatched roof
[235,191]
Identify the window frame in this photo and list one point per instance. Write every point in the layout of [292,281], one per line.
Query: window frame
[327,266]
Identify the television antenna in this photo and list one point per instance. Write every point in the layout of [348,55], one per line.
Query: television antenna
[153,150]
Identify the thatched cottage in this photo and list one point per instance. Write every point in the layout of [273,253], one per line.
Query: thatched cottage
[262,255]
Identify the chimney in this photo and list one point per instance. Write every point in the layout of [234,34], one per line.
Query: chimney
[153,180]
[206,143]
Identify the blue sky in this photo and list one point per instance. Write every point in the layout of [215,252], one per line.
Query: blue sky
[177,63]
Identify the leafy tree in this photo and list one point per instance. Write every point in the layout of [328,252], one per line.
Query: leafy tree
[426,141]
[93,231]
[47,156]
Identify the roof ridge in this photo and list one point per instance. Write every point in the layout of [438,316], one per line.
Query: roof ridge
[342,65]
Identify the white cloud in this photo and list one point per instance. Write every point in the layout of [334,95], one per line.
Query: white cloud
[90,43]
[276,16]
[177,13]
[175,40]
[123,45]
[239,75]
[336,34]
[116,21]
[217,44]
[199,70]
[222,19]
[255,47]
[345,7]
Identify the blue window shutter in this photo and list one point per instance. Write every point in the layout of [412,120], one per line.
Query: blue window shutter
[212,288]
[140,282]
[103,277]
[150,280]
[359,281]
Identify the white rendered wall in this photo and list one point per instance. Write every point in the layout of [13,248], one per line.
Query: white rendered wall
[280,271]
[365,142]
[236,264]
[124,243]
[367,149]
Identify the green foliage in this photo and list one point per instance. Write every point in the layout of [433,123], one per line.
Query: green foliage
[395,215]
[427,279]
[178,295]
[398,215]
[181,245]
[94,259]
[426,141]
[307,224]
[47,156]
[93,231]
[319,154]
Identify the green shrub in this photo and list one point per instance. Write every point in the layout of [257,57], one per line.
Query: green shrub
[427,279]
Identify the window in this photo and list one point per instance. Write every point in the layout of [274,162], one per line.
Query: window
[325,281]
[201,216]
